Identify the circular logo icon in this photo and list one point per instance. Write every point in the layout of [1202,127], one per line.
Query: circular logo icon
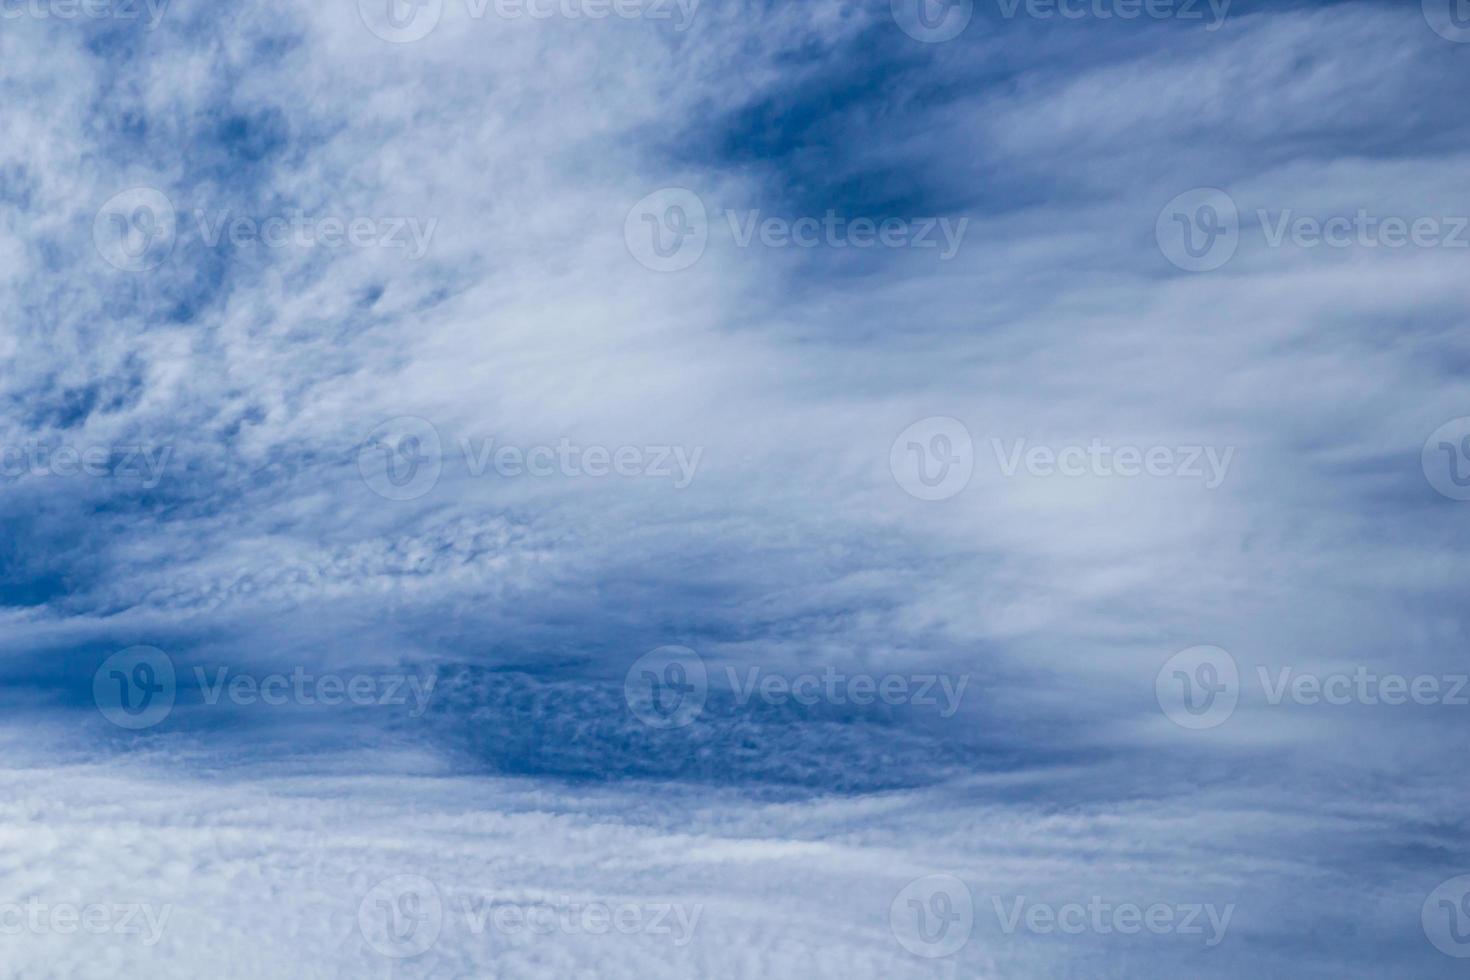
[667,687]
[401,916]
[401,21]
[135,688]
[135,230]
[1446,459]
[1198,688]
[1446,917]
[933,916]
[933,459]
[402,458]
[1450,19]
[933,21]
[1199,230]
[667,230]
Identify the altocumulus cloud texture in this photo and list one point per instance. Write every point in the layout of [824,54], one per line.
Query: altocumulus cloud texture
[656,488]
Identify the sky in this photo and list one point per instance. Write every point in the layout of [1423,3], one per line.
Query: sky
[667,488]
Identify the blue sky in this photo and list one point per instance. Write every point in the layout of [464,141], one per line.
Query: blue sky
[1092,374]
